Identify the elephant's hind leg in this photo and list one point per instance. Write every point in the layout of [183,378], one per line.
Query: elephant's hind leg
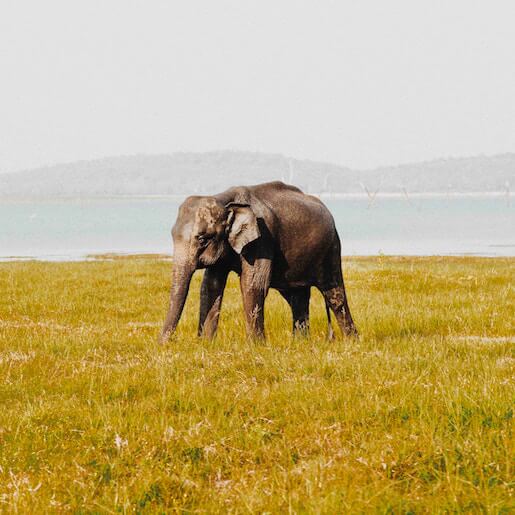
[298,299]
[336,299]
[332,287]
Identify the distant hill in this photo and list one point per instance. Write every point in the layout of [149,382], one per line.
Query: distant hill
[210,172]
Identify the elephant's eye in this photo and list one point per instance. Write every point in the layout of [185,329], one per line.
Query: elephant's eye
[203,239]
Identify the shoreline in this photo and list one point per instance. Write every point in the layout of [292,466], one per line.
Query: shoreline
[114,256]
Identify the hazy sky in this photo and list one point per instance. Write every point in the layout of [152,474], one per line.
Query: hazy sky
[360,83]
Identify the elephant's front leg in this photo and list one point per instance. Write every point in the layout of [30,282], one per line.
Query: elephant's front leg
[211,294]
[255,282]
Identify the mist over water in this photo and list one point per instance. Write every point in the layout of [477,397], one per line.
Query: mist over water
[74,229]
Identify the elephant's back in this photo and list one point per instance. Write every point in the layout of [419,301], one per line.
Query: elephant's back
[304,231]
[295,210]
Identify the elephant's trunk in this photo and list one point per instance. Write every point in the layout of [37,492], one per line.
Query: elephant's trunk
[181,277]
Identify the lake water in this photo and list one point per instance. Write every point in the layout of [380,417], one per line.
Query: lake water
[72,229]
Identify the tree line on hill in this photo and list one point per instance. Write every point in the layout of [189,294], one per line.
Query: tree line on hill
[210,172]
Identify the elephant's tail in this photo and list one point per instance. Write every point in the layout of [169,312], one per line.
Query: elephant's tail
[330,332]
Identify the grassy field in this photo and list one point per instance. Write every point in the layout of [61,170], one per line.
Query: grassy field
[416,416]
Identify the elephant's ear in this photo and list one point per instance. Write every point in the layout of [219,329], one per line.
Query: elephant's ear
[242,226]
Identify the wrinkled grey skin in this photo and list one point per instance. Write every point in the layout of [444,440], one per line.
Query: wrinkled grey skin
[273,236]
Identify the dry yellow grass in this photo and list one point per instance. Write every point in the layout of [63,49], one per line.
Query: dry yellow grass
[415,416]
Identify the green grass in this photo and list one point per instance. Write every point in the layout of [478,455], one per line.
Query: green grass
[415,416]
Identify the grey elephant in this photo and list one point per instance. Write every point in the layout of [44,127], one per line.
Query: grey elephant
[273,236]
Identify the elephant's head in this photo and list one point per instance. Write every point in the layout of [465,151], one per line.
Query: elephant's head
[205,232]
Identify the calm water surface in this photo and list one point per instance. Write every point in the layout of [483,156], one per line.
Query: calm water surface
[72,229]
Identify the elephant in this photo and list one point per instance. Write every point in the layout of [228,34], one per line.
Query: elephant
[273,236]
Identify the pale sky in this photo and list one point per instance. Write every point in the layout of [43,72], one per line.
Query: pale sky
[358,83]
